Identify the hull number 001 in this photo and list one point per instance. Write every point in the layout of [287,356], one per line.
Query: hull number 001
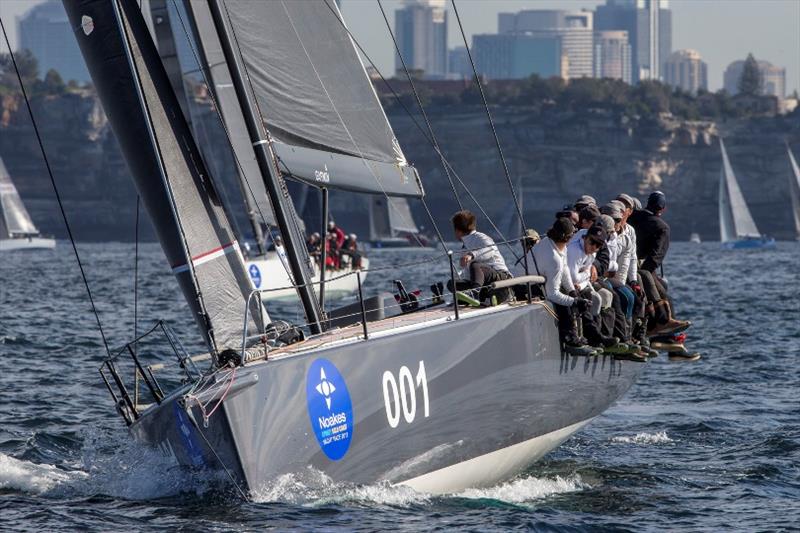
[400,394]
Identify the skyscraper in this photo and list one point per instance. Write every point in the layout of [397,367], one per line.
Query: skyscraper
[573,28]
[509,56]
[612,55]
[773,79]
[649,27]
[686,70]
[46,32]
[421,32]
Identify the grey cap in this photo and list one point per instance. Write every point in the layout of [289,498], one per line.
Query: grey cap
[626,199]
[612,210]
[637,204]
[620,204]
[586,200]
[607,223]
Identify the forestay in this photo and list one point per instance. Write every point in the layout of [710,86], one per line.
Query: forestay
[316,99]
[164,160]
[16,219]
[735,218]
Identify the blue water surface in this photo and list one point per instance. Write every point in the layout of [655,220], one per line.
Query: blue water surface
[712,445]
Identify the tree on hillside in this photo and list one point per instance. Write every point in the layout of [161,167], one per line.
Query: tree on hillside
[53,84]
[750,82]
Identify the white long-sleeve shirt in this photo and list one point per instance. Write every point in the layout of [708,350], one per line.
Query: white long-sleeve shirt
[484,251]
[628,261]
[579,262]
[546,260]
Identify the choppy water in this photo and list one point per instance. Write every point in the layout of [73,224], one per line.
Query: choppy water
[705,446]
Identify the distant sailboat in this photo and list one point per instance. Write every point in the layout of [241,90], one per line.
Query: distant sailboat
[17,231]
[736,224]
[391,224]
[695,238]
[794,191]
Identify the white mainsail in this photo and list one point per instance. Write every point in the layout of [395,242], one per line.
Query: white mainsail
[16,220]
[794,188]
[735,220]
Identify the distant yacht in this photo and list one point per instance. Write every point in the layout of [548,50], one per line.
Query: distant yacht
[695,238]
[736,225]
[794,191]
[17,231]
[391,224]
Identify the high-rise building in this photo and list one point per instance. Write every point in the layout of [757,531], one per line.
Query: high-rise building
[458,63]
[612,55]
[773,79]
[574,29]
[421,32]
[517,55]
[649,27]
[687,70]
[46,32]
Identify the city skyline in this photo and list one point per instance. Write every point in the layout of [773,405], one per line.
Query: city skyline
[767,28]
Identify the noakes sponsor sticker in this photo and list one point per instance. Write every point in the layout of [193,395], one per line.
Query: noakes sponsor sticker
[329,408]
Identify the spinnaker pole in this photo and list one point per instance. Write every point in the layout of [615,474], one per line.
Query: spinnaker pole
[276,188]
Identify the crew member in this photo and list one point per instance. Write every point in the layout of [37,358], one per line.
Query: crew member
[482,258]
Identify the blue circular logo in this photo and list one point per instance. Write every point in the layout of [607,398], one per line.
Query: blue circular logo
[255,275]
[329,408]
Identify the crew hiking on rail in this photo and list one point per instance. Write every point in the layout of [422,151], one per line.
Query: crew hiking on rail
[601,266]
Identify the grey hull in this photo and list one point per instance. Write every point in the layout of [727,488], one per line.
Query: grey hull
[496,380]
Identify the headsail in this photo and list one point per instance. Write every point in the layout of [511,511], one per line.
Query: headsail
[16,220]
[164,160]
[794,188]
[738,222]
[219,76]
[388,217]
[316,99]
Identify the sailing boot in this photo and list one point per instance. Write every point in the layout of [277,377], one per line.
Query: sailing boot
[640,337]
[576,346]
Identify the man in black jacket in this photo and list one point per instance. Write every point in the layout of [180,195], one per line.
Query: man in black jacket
[652,243]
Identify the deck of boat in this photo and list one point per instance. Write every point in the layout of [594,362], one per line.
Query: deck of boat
[356,331]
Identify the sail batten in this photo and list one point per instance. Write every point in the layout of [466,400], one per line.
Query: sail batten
[735,218]
[316,98]
[176,188]
[16,220]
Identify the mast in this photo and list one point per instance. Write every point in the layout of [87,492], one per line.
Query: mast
[276,187]
[794,188]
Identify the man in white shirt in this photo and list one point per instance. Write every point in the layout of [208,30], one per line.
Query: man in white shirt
[482,258]
[548,258]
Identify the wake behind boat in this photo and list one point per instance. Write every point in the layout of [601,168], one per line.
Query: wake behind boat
[17,230]
[418,392]
[737,228]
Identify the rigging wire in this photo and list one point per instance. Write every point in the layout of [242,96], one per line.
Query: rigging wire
[136,278]
[421,107]
[424,134]
[55,188]
[489,116]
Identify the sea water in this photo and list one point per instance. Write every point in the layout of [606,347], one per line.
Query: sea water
[711,445]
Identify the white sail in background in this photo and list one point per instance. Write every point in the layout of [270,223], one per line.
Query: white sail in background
[794,188]
[389,217]
[15,217]
[735,220]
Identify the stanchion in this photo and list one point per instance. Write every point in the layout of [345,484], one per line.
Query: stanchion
[453,281]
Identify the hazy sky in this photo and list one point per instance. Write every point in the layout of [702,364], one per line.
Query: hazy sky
[721,30]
